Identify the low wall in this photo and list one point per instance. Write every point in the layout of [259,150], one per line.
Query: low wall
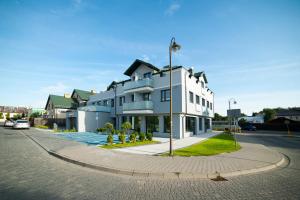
[61,123]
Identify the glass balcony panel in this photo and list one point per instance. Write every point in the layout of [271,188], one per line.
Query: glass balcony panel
[139,105]
[147,82]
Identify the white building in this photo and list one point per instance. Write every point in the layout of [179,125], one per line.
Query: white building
[143,100]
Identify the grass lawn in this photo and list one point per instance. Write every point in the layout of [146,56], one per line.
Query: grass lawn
[223,143]
[128,144]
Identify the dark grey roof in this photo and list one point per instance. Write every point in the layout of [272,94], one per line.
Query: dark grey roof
[199,74]
[136,64]
[289,112]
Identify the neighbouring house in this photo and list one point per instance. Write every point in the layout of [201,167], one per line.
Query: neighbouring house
[57,106]
[13,111]
[290,113]
[258,119]
[82,96]
[143,100]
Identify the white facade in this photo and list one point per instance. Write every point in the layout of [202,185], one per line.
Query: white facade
[147,104]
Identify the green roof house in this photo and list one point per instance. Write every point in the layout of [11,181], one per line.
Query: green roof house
[82,96]
[57,106]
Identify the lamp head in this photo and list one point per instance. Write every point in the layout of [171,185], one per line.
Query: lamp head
[174,46]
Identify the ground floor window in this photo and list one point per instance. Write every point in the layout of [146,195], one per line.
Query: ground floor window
[207,123]
[200,124]
[190,124]
[136,123]
[124,119]
[152,124]
[167,124]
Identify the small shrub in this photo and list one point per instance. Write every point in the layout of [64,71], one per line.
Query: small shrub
[142,137]
[117,132]
[42,126]
[101,130]
[149,136]
[132,137]
[110,139]
[122,138]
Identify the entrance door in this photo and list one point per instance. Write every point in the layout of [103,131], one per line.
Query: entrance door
[207,124]
[191,125]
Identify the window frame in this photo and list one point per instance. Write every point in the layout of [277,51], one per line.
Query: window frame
[197,99]
[191,97]
[163,95]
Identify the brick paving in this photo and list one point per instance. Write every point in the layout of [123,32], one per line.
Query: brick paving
[251,157]
[28,172]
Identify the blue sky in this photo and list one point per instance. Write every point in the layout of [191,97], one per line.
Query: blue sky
[250,50]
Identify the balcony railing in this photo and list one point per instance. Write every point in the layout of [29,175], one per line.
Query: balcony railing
[138,84]
[95,108]
[139,105]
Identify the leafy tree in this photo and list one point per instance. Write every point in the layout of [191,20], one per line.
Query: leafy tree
[7,116]
[132,137]
[219,117]
[242,122]
[269,114]
[110,139]
[109,127]
[126,126]
[35,115]
[1,115]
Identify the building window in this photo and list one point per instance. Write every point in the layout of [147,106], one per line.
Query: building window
[99,103]
[165,95]
[197,99]
[152,124]
[167,124]
[121,101]
[210,106]
[207,104]
[148,75]
[146,97]
[112,102]
[200,124]
[203,102]
[105,102]
[124,119]
[202,84]
[191,97]
[190,124]
[132,98]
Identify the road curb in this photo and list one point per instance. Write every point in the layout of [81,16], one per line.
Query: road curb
[136,173]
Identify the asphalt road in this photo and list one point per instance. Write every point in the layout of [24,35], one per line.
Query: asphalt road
[28,172]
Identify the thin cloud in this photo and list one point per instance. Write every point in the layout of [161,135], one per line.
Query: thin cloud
[174,7]
[56,88]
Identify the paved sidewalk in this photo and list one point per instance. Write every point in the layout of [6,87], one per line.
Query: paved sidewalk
[164,147]
[250,159]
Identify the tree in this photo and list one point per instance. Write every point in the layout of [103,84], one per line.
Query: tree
[1,115]
[219,117]
[7,116]
[126,126]
[109,127]
[35,115]
[242,122]
[269,114]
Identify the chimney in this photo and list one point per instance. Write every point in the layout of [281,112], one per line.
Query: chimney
[66,95]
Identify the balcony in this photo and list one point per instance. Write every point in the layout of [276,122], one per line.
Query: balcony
[143,85]
[138,107]
[97,108]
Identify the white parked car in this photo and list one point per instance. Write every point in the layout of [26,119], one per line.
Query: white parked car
[9,123]
[19,124]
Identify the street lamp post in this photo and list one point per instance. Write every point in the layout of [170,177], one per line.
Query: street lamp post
[229,117]
[173,47]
